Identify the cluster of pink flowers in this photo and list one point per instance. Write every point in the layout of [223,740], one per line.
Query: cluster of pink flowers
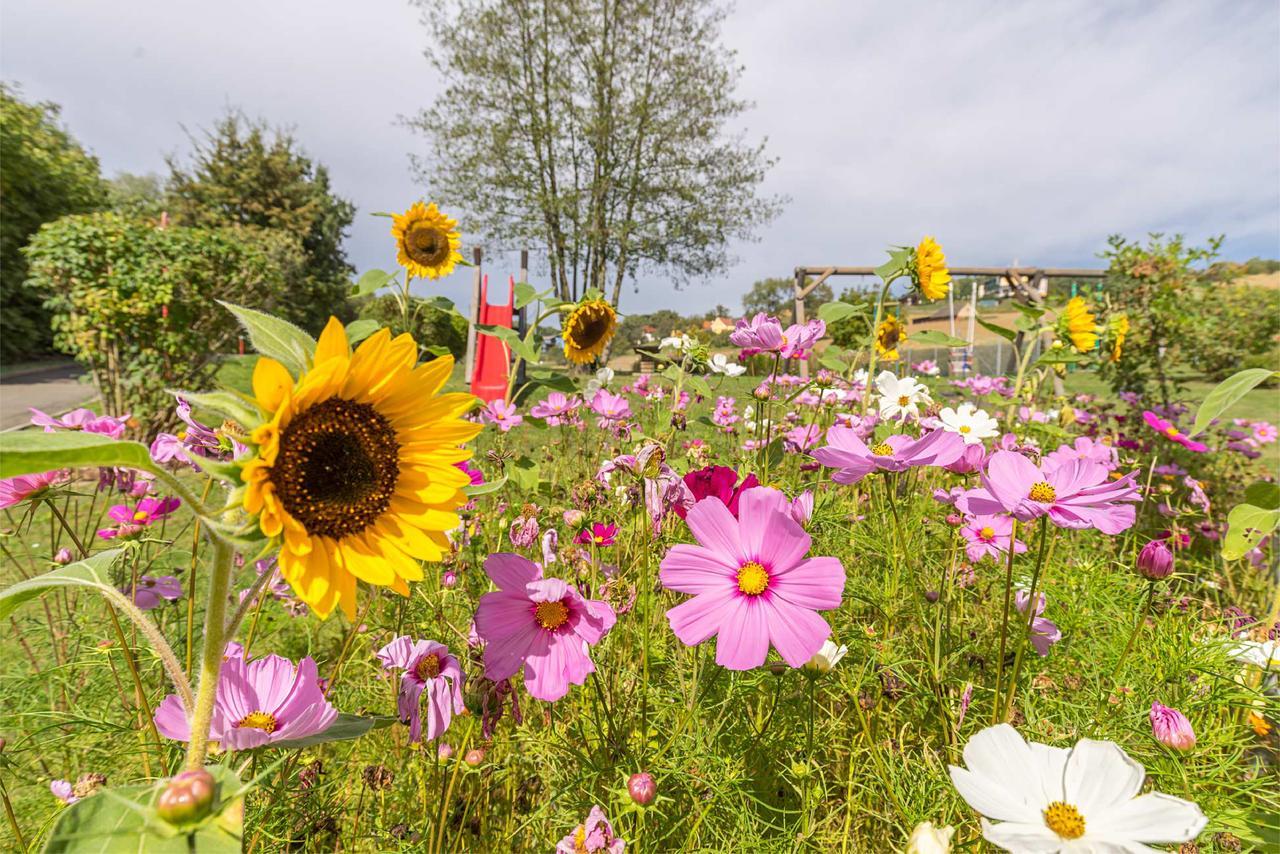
[558,409]
[764,334]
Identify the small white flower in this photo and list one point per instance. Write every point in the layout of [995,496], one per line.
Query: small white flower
[825,659]
[901,398]
[720,364]
[679,343]
[603,377]
[971,423]
[1258,653]
[1050,799]
[927,839]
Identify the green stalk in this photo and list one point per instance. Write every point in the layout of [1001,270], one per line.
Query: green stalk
[872,355]
[211,650]
[1004,625]
[1137,628]
[1031,612]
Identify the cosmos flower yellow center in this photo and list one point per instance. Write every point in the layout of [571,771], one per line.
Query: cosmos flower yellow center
[987,533]
[1064,820]
[427,244]
[884,449]
[1171,432]
[753,579]
[965,428]
[551,615]
[140,516]
[428,667]
[903,400]
[580,839]
[258,720]
[1042,492]
[337,467]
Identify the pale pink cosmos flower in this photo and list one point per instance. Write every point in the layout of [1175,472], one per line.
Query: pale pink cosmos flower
[1264,432]
[502,414]
[752,585]
[558,408]
[63,791]
[592,836]
[1085,448]
[799,339]
[428,669]
[1171,727]
[760,334]
[1074,494]
[542,624]
[258,703]
[847,453]
[611,408]
[802,507]
[81,419]
[1044,632]
[989,535]
[15,490]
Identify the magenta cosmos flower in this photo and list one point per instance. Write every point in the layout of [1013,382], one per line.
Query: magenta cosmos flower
[259,702]
[1171,433]
[428,669]
[989,535]
[15,490]
[540,623]
[558,408]
[751,582]
[151,591]
[760,334]
[592,836]
[611,408]
[1171,727]
[718,482]
[1085,448]
[81,419]
[146,512]
[597,534]
[1075,494]
[501,413]
[853,460]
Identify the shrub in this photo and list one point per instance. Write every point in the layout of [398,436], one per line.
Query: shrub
[431,327]
[135,303]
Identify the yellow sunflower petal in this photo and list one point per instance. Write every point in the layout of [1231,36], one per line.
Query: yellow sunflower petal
[333,342]
[271,383]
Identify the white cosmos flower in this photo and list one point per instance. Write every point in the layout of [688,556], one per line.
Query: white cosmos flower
[679,343]
[720,364]
[901,398]
[971,423]
[1050,799]
[1258,653]
[825,659]
[603,377]
[927,839]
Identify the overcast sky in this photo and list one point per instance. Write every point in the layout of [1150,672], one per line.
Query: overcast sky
[1025,131]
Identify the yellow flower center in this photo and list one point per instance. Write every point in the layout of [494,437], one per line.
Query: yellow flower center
[580,839]
[884,449]
[1064,820]
[551,615]
[598,538]
[903,400]
[753,578]
[428,667]
[987,533]
[427,244]
[140,516]
[1171,432]
[1042,492]
[258,720]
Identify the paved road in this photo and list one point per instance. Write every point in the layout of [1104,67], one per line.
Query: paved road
[54,389]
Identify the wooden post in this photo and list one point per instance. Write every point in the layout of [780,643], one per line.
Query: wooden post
[524,316]
[473,318]
[799,317]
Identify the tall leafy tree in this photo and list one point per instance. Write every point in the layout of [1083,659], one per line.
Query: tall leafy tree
[45,175]
[244,173]
[597,129]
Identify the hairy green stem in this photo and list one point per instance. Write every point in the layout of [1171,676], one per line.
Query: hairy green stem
[871,354]
[212,647]
[1137,628]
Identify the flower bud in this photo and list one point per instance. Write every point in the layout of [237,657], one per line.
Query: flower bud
[1171,728]
[574,518]
[955,520]
[63,557]
[927,839]
[642,789]
[187,798]
[449,579]
[1155,561]
[826,658]
[474,757]
[445,751]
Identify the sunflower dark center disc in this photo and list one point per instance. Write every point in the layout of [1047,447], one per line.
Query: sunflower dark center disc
[337,467]
[427,244]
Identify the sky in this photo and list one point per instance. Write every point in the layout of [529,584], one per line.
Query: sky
[1013,131]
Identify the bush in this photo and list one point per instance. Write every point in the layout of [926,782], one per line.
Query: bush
[431,327]
[135,303]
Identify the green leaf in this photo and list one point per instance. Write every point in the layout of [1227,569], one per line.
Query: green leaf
[833,312]
[1061,356]
[275,338]
[439,303]
[1035,312]
[372,281]
[774,453]
[512,339]
[1263,494]
[525,294]
[1002,331]
[1247,525]
[485,488]
[698,384]
[437,350]
[124,819]
[358,330]
[831,362]
[345,728]
[935,336]
[523,472]
[225,404]
[93,571]
[1025,324]
[899,260]
[1227,393]
[31,452]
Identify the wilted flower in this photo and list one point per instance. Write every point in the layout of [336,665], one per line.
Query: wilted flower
[592,836]
[426,668]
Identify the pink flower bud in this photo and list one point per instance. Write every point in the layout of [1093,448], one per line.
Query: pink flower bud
[1171,728]
[573,518]
[445,751]
[187,798]
[1155,561]
[955,520]
[63,557]
[642,789]
[474,757]
[449,579]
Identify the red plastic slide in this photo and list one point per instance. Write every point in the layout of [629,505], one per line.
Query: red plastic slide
[493,357]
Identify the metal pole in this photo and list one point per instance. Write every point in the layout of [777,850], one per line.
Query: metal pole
[474,316]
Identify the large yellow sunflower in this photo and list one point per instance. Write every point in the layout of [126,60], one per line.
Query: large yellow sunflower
[355,468]
[890,335]
[427,241]
[930,272]
[1119,325]
[587,330]
[1080,325]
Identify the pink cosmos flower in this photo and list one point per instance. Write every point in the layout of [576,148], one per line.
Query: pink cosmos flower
[63,791]
[1085,448]
[751,582]
[501,413]
[429,669]
[477,476]
[1171,727]
[558,408]
[760,334]
[550,542]
[970,460]
[1264,432]
[1044,632]
[540,623]
[989,535]
[81,419]
[259,702]
[853,460]
[1075,494]
[801,439]
[15,490]
[1171,433]
[198,440]
[611,408]
[718,481]
[798,340]
[146,512]
[597,534]
[802,507]
[593,835]
[151,591]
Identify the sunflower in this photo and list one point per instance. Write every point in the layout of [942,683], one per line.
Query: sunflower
[930,270]
[1119,326]
[355,467]
[427,241]
[1079,324]
[890,335]
[587,330]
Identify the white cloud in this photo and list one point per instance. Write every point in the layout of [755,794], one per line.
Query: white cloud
[1026,131]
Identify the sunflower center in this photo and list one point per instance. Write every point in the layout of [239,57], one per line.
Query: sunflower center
[987,533]
[428,667]
[884,449]
[337,467]
[1064,820]
[258,720]
[551,615]
[426,244]
[1042,492]
[753,578]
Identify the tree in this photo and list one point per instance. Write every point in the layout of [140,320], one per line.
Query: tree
[598,129]
[778,297]
[46,175]
[244,173]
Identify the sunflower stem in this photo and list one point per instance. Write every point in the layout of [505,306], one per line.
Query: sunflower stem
[871,353]
[212,647]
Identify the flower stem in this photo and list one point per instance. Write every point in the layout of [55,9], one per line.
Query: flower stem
[212,647]
[1031,612]
[1004,625]
[1137,628]
[871,353]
